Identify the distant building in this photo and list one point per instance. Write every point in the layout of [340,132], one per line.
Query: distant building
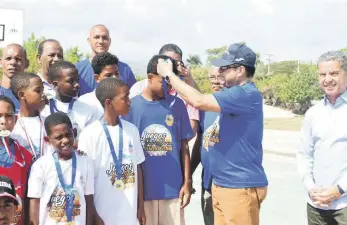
[11,26]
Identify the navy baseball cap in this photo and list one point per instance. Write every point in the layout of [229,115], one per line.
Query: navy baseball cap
[237,53]
[7,188]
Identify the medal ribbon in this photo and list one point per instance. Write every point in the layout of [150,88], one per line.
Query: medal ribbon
[116,161]
[11,149]
[53,106]
[164,83]
[69,198]
[32,147]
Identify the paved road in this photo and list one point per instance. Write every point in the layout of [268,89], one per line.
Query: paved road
[285,203]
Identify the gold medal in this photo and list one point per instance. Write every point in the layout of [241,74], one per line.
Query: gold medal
[5,133]
[119,185]
[70,223]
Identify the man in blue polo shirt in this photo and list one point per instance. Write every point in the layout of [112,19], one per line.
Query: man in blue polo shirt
[239,180]
[100,41]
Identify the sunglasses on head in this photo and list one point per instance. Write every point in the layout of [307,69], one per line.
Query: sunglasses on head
[179,63]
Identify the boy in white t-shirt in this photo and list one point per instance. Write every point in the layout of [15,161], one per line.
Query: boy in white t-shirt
[61,184]
[104,65]
[64,77]
[29,130]
[115,147]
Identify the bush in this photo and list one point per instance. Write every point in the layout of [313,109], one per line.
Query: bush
[294,92]
[200,75]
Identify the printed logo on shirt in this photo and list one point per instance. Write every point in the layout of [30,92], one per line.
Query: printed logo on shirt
[211,135]
[57,203]
[156,140]
[19,211]
[128,174]
[169,120]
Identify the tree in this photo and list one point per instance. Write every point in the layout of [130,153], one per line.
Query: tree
[31,45]
[214,53]
[194,60]
[284,67]
[344,50]
[73,55]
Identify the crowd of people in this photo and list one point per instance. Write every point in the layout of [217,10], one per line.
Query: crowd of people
[87,144]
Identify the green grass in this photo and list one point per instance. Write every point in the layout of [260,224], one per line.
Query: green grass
[292,124]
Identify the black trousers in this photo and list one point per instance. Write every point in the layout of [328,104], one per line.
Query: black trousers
[326,217]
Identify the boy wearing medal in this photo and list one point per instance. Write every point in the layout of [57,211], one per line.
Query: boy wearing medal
[164,126]
[114,146]
[64,77]
[8,201]
[15,160]
[29,130]
[61,184]
[104,65]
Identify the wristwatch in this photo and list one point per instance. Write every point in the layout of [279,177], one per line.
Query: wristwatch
[167,78]
[342,192]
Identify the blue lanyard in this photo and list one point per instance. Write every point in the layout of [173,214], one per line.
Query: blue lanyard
[69,198]
[53,107]
[166,92]
[116,161]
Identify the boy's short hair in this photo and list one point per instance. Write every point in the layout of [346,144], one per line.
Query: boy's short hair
[106,89]
[6,99]
[21,81]
[101,60]
[54,71]
[152,64]
[56,119]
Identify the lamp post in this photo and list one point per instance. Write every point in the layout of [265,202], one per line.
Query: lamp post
[2,32]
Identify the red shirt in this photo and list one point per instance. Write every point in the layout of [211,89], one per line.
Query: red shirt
[16,166]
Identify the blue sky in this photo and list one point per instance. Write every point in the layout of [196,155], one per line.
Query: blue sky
[288,29]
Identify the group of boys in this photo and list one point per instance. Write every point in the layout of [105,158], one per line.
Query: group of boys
[95,158]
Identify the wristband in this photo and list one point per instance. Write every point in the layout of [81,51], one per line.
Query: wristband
[340,190]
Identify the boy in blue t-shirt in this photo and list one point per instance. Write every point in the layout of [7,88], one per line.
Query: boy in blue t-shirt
[164,128]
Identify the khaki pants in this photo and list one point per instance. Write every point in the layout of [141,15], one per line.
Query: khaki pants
[237,206]
[164,212]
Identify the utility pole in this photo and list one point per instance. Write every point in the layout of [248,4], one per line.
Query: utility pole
[268,62]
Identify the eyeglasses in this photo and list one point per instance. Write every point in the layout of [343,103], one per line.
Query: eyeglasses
[225,68]
[216,78]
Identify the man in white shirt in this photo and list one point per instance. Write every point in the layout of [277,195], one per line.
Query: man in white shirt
[48,53]
[322,158]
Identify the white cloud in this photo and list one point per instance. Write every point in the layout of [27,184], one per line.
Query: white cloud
[288,29]
[199,27]
[263,6]
[135,6]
